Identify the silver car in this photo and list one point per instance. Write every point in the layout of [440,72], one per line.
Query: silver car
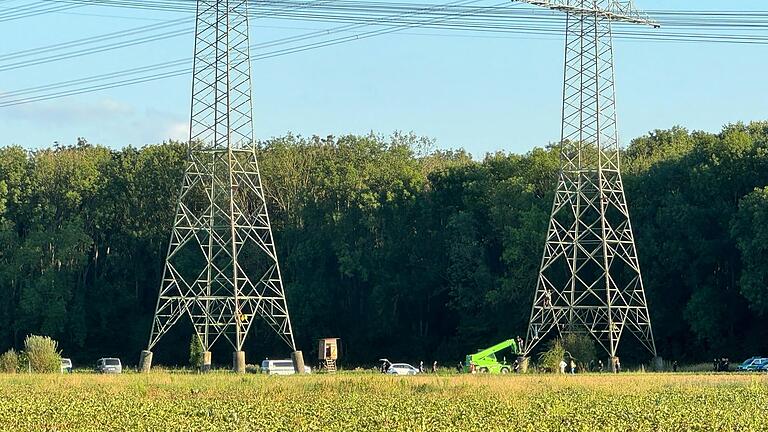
[109,365]
[402,369]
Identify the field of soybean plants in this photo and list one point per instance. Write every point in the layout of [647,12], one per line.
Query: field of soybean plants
[164,401]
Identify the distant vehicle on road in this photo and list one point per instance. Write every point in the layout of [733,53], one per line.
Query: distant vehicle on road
[402,369]
[756,365]
[746,363]
[752,364]
[280,367]
[109,365]
[66,365]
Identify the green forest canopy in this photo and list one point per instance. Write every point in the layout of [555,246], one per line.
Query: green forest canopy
[401,252]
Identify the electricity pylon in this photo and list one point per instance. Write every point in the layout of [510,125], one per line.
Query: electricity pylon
[221,269]
[590,280]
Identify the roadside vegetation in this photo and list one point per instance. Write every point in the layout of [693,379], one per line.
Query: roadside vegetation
[40,355]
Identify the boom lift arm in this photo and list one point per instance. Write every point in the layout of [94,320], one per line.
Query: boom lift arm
[497,348]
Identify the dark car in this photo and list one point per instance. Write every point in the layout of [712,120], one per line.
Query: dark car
[757,365]
[752,364]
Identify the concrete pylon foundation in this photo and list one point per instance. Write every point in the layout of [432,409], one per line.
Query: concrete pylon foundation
[298,361]
[658,364]
[145,361]
[238,362]
[206,366]
[523,362]
[615,365]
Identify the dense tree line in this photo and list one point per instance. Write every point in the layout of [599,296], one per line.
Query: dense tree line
[401,250]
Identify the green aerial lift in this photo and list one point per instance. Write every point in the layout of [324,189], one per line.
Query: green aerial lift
[485,361]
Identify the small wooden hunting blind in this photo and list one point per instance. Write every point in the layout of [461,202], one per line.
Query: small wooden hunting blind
[328,353]
[328,349]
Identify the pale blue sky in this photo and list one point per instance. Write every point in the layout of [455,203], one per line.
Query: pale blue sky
[481,93]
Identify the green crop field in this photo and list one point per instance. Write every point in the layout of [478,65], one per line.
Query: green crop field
[370,402]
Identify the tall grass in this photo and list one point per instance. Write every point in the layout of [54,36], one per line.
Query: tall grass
[369,402]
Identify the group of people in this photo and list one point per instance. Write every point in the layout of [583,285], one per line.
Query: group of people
[422,370]
[595,366]
[721,365]
[570,366]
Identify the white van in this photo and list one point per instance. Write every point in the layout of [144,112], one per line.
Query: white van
[109,365]
[280,367]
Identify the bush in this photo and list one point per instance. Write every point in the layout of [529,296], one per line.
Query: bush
[9,362]
[551,358]
[698,367]
[42,354]
[195,352]
[581,347]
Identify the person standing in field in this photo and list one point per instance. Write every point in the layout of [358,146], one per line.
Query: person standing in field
[573,367]
[600,366]
[674,366]
[563,365]
[618,365]
[434,366]
[421,366]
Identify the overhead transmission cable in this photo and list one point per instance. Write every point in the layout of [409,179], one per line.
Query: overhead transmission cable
[263,56]
[454,16]
[298,10]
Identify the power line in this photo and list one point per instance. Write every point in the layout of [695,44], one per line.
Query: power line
[497,19]
[35,9]
[305,11]
[179,72]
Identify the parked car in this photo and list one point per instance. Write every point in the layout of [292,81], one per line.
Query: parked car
[752,364]
[757,365]
[746,363]
[66,365]
[402,369]
[280,367]
[109,365]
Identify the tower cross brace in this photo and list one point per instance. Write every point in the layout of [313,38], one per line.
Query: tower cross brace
[589,280]
[221,271]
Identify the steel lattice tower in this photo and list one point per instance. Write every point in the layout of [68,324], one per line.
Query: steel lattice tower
[222,270]
[590,280]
